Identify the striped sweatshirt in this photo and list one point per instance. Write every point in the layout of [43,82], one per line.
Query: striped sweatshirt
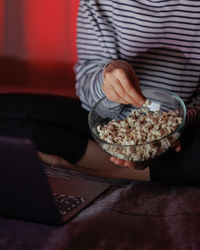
[159,38]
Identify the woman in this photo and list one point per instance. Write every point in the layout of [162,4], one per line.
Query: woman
[122,45]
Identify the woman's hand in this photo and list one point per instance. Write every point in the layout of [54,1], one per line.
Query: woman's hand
[121,85]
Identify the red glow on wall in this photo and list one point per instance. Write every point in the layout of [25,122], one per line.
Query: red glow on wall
[1,24]
[50,29]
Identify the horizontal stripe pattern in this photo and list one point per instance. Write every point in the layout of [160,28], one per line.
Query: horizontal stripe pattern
[159,38]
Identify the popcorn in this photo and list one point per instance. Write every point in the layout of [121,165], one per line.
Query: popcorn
[140,127]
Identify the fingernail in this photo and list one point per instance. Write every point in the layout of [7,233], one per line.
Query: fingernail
[111,158]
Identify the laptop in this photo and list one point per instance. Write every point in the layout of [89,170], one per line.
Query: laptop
[28,193]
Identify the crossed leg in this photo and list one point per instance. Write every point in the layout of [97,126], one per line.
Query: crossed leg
[96,162]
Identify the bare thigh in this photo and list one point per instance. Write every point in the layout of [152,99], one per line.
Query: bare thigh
[97,162]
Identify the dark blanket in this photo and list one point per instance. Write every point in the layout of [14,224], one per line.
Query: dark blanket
[129,215]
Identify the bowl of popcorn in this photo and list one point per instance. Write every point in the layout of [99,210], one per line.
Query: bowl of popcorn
[139,134]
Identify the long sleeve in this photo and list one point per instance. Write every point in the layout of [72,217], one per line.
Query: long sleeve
[193,108]
[94,52]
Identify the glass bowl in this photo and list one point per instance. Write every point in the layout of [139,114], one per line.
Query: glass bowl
[162,100]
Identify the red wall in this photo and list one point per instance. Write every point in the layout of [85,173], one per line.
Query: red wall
[1,24]
[41,58]
[50,29]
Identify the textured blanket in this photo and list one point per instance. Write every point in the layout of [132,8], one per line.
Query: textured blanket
[129,215]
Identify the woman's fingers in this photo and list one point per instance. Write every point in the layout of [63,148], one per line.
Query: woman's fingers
[131,90]
[117,93]
[123,93]
[177,146]
[121,84]
[122,163]
[129,164]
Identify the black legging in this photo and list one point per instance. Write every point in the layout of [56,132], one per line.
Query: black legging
[182,167]
[56,125]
